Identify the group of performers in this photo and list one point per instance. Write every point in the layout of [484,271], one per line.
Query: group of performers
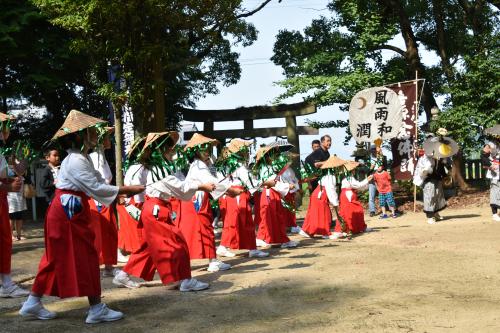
[163,217]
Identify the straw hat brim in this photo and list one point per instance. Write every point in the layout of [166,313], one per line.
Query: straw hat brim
[5,117]
[155,136]
[333,162]
[199,139]
[273,146]
[135,145]
[351,165]
[75,122]
[235,145]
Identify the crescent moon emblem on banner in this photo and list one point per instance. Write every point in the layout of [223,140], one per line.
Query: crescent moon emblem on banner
[363,102]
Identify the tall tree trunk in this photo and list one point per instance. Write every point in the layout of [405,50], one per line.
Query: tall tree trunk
[159,90]
[412,56]
[437,10]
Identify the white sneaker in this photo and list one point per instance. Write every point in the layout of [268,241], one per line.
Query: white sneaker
[304,234]
[261,243]
[121,258]
[496,218]
[193,285]
[103,315]
[289,244]
[14,291]
[258,254]
[217,265]
[36,310]
[295,230]
[224,252]
[337,235]
[431,220]
[123,280]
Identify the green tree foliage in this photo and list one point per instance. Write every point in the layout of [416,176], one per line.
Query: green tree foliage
[171,52]
[336,56]
[38,68]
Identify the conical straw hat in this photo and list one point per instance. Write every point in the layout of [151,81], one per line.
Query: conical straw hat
[5,117]
[235,145]
[199,139]
[333,162]
[282,147]
[351,165]
[76,121]
[138,142]
[440,147]
[155,136]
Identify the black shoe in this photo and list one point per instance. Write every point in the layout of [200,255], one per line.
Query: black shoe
[372,214]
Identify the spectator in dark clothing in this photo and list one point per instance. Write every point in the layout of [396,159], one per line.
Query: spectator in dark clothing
[48,177]
[318,156]
[315,144]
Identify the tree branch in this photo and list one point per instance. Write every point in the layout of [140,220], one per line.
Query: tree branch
[392,48]
[250,13]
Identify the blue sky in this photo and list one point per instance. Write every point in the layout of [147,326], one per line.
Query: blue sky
[259,74]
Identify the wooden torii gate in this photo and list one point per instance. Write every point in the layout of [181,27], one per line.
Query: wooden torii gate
[248,115]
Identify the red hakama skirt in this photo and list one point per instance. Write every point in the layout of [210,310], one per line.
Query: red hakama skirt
[5,235]
[352,213]
[70,265]
[163,247]
[106,233]
[197,228]
[272,226]
[222,208]
[239,229]
[129,233]
[288,216]
[318,217]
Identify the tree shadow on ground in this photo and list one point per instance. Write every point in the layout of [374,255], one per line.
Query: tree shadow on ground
[279,305]
[460,216]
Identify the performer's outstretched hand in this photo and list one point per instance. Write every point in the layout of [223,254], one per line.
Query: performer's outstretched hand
[131,190]
[207,187]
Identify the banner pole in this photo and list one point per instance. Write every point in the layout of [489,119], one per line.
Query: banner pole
[416,141]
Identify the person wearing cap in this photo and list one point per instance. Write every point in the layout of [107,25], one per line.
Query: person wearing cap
[8,288]
[196,218]
[272,225]
[239,228]
[129,233]
[70,265]
[319,216]
[163,247]
[103,219]
[350,209]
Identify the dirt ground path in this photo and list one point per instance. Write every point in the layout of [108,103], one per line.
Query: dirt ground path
[405,276]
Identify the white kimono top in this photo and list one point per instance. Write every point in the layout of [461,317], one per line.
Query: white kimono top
[78,174]
[329,182]
[199,173]
[170,186]
[101,165]
[136,175]
[266,172]
[350,183]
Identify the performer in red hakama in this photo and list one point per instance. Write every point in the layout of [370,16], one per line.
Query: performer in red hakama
[129,232]
[319,217]
[269,162]
[239,228]
[163,247]
[196,218]
[350,208]
[8,288]
[70,264]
